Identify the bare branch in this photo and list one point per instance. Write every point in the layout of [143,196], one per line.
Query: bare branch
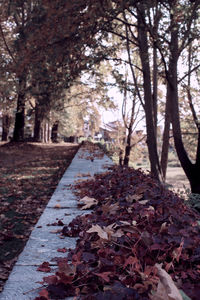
[131,67]
[6,44]
[188,73]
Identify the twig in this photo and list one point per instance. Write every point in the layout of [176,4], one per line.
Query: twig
[35,289]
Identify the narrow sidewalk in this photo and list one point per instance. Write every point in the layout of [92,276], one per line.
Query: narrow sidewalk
[23,282]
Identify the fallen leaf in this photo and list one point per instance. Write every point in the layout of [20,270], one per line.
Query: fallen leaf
[177,251]
[66,268]
[51,279]
[44,267]
[104,275]
[44,293]
[166,289]
[57,206]
[135,197]
[101,233]
[89,202]
[62,250]
[131,260]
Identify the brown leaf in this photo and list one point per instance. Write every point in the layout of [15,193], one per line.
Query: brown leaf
[177,251]
[89,202]
[66,268]
[101,233]
[135,197]
[166,289]
[57,206]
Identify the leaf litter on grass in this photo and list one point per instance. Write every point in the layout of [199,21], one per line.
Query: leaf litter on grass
[29,173]
[138,236]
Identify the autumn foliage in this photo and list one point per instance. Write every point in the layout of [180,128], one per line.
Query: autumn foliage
[138,231]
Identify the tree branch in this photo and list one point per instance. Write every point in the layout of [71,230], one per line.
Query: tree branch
[6,45]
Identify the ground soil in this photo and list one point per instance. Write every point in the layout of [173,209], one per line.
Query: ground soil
[177,181]
[29,173]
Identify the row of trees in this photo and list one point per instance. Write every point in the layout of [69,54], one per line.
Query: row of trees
[47,44]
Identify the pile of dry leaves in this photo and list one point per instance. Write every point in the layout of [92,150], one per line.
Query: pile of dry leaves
[140,242]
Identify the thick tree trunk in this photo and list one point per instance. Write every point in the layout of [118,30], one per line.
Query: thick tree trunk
[195,177]
[150,125]
[54,132]
[6,120]
[18,134]
[192,171]
[195,180]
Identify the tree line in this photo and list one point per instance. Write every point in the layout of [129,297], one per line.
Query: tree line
[45,47]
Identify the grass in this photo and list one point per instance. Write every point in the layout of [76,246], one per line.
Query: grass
[29,173]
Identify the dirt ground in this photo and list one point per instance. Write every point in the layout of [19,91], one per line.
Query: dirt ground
[29,173]
[177,180]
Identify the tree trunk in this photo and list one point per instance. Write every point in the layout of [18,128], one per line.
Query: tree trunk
[54,132]
[129,135]
[155,90]
[192,171]
[165,143]
[195,180]
[127,149]
[37,124]
[6,120]
[195,177]
[144,56]
[48,132]
[18,134]
[45,132]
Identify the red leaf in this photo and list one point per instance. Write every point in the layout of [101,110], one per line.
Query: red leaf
[65,278]
[51,279]
[104,275]
[63,250]
[44,293]
[130,261]
[44,267]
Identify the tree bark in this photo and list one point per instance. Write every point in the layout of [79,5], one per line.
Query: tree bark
[6,120]
[48,132]
[195,177]
[165,143]
[148,101]
[192,171]
[37,124]
[18,134]
[54,132]
[127,149]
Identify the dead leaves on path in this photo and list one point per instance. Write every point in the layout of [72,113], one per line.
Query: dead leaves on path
[135,227]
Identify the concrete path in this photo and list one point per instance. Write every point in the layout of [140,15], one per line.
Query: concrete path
[42,245]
